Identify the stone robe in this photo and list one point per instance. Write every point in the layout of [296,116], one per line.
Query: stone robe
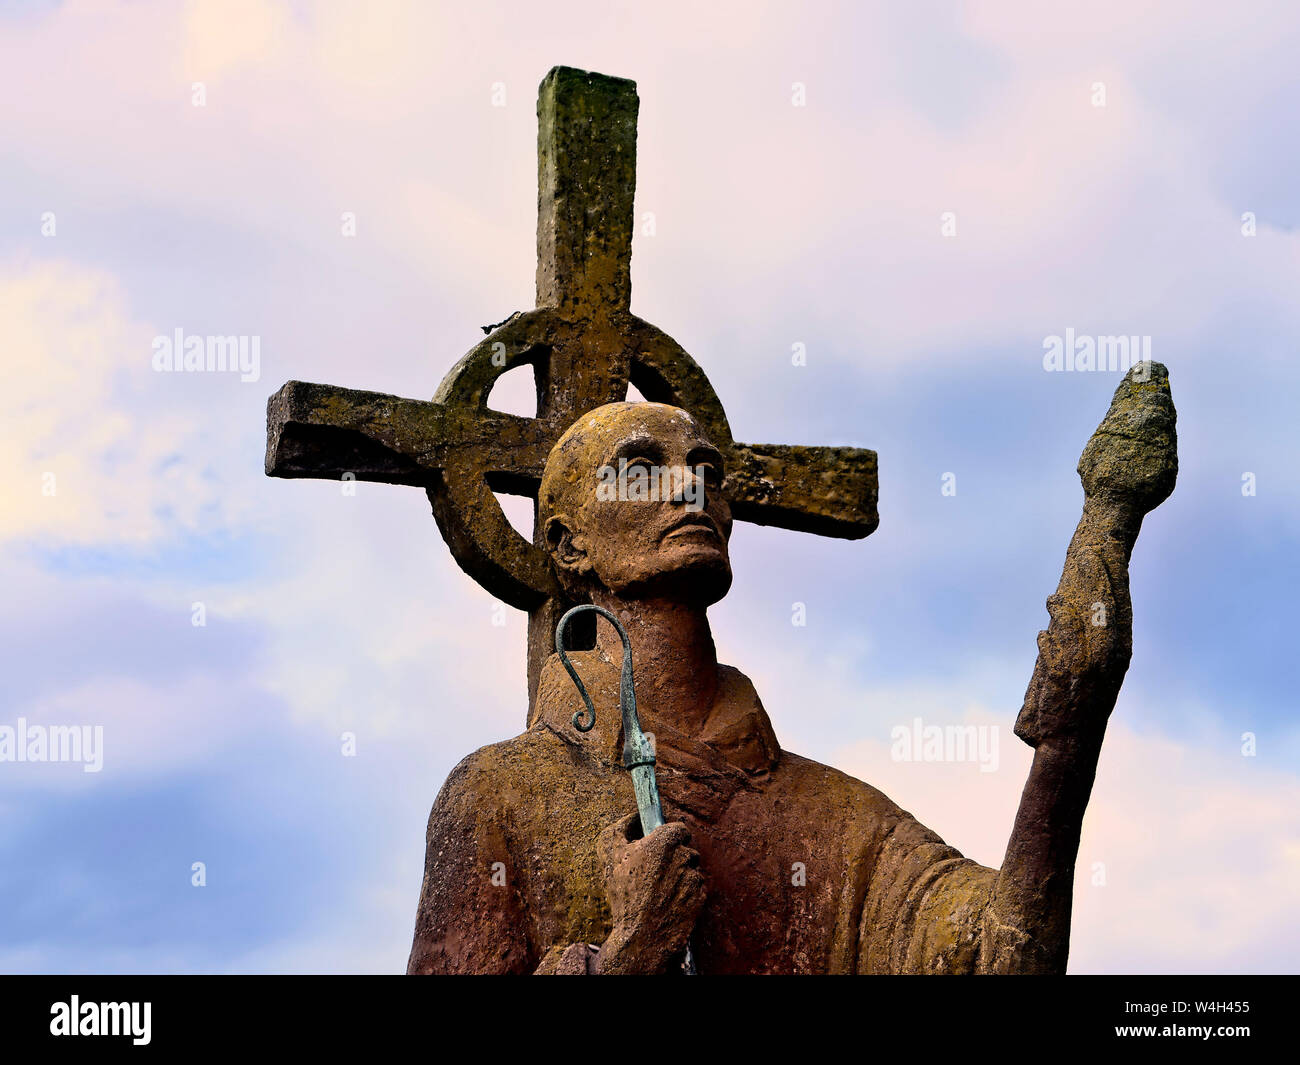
[808,870]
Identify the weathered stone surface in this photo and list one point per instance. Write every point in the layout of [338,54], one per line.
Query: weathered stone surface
[584,347]
[586,174]
[1127,469]
[1132,459]
[880,893]
[778,864]
[804,869]
[377,437]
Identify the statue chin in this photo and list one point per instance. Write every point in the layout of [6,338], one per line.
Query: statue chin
[701,580]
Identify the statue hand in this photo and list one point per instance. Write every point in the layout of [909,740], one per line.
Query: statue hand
[656,892]
[1132,458]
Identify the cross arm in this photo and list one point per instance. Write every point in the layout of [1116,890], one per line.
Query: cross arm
[324,431]
[830,491]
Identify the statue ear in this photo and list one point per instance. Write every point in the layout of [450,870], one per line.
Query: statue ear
[566,548]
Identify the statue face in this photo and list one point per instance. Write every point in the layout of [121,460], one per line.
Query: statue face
[631,498]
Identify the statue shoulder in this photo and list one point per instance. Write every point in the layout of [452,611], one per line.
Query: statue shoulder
[480,778]
[838,796]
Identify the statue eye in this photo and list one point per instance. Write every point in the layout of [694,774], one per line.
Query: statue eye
[712,473]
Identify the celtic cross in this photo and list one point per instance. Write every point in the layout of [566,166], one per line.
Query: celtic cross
[584,347]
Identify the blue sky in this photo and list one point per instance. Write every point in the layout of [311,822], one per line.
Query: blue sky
[772,225]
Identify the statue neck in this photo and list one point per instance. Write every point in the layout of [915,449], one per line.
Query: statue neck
[673,657]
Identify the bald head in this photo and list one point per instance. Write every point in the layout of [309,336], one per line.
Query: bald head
[630,501]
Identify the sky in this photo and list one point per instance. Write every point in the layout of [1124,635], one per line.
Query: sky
[920,196]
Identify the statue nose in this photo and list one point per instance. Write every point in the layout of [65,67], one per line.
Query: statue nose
[688,485]
[691,489]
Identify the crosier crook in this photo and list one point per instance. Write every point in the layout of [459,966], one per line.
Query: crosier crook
[638,755]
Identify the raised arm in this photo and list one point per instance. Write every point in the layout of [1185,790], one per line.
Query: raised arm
[1127,469]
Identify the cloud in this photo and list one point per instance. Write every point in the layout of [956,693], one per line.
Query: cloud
[90,457]
[223,36]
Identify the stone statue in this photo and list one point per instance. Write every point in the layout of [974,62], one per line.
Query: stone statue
[769,862]
[534,863]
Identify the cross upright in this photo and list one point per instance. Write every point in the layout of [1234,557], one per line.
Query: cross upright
[584,346]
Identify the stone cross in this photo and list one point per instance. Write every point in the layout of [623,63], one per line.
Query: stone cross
[584,347]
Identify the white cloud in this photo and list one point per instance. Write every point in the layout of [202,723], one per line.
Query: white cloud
[87,451]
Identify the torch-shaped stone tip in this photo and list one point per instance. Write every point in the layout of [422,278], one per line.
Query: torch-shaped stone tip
[1132,458]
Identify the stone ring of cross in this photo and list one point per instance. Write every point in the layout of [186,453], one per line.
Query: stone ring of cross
[598,360]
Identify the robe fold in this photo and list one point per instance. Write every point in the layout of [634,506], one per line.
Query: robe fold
[807,869]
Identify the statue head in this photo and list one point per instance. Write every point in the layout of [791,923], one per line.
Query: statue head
[631,502]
